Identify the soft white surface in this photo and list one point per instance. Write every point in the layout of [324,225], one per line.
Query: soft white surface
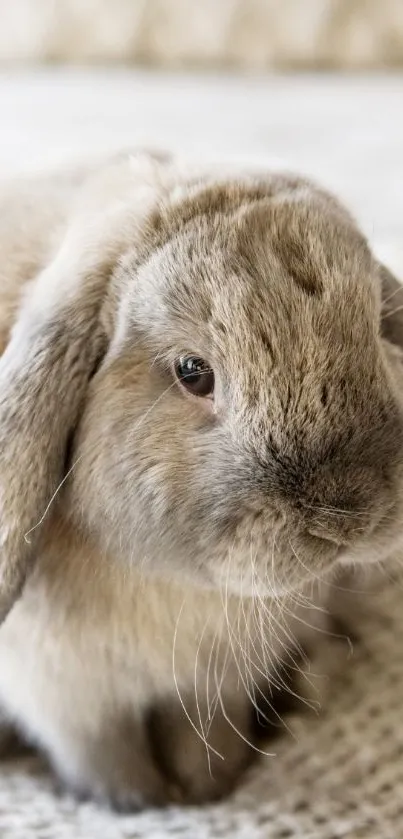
[346,131]
[343,777]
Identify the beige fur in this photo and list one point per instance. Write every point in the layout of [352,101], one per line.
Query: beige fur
[172,542]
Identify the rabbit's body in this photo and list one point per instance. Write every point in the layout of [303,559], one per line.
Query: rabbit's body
[85,660]
[127,604]
[95,651]
[81,660]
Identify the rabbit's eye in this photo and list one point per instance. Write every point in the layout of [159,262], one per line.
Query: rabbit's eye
[195,375]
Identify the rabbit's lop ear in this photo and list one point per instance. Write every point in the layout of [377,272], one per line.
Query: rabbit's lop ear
[44,372]
[392,307]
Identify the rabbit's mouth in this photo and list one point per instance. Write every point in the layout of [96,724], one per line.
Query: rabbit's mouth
[384,541]
[272,565]
[279,556]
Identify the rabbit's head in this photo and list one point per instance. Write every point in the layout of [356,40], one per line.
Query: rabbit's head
[221,397]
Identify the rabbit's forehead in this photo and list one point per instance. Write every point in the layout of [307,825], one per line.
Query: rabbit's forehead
[268,260]
[273,291]
[248,292]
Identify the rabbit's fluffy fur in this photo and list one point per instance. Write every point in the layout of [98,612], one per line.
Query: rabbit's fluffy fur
[154,543]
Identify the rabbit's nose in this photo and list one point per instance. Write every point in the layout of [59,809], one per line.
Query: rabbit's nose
[344,530]
[343,526]
[322,533]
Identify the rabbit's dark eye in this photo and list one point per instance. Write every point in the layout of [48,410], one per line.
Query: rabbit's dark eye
[195,375]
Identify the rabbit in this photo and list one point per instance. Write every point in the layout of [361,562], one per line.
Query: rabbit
[201,427]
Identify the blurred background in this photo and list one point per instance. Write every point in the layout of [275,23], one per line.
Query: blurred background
[248,34]
[315,84]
